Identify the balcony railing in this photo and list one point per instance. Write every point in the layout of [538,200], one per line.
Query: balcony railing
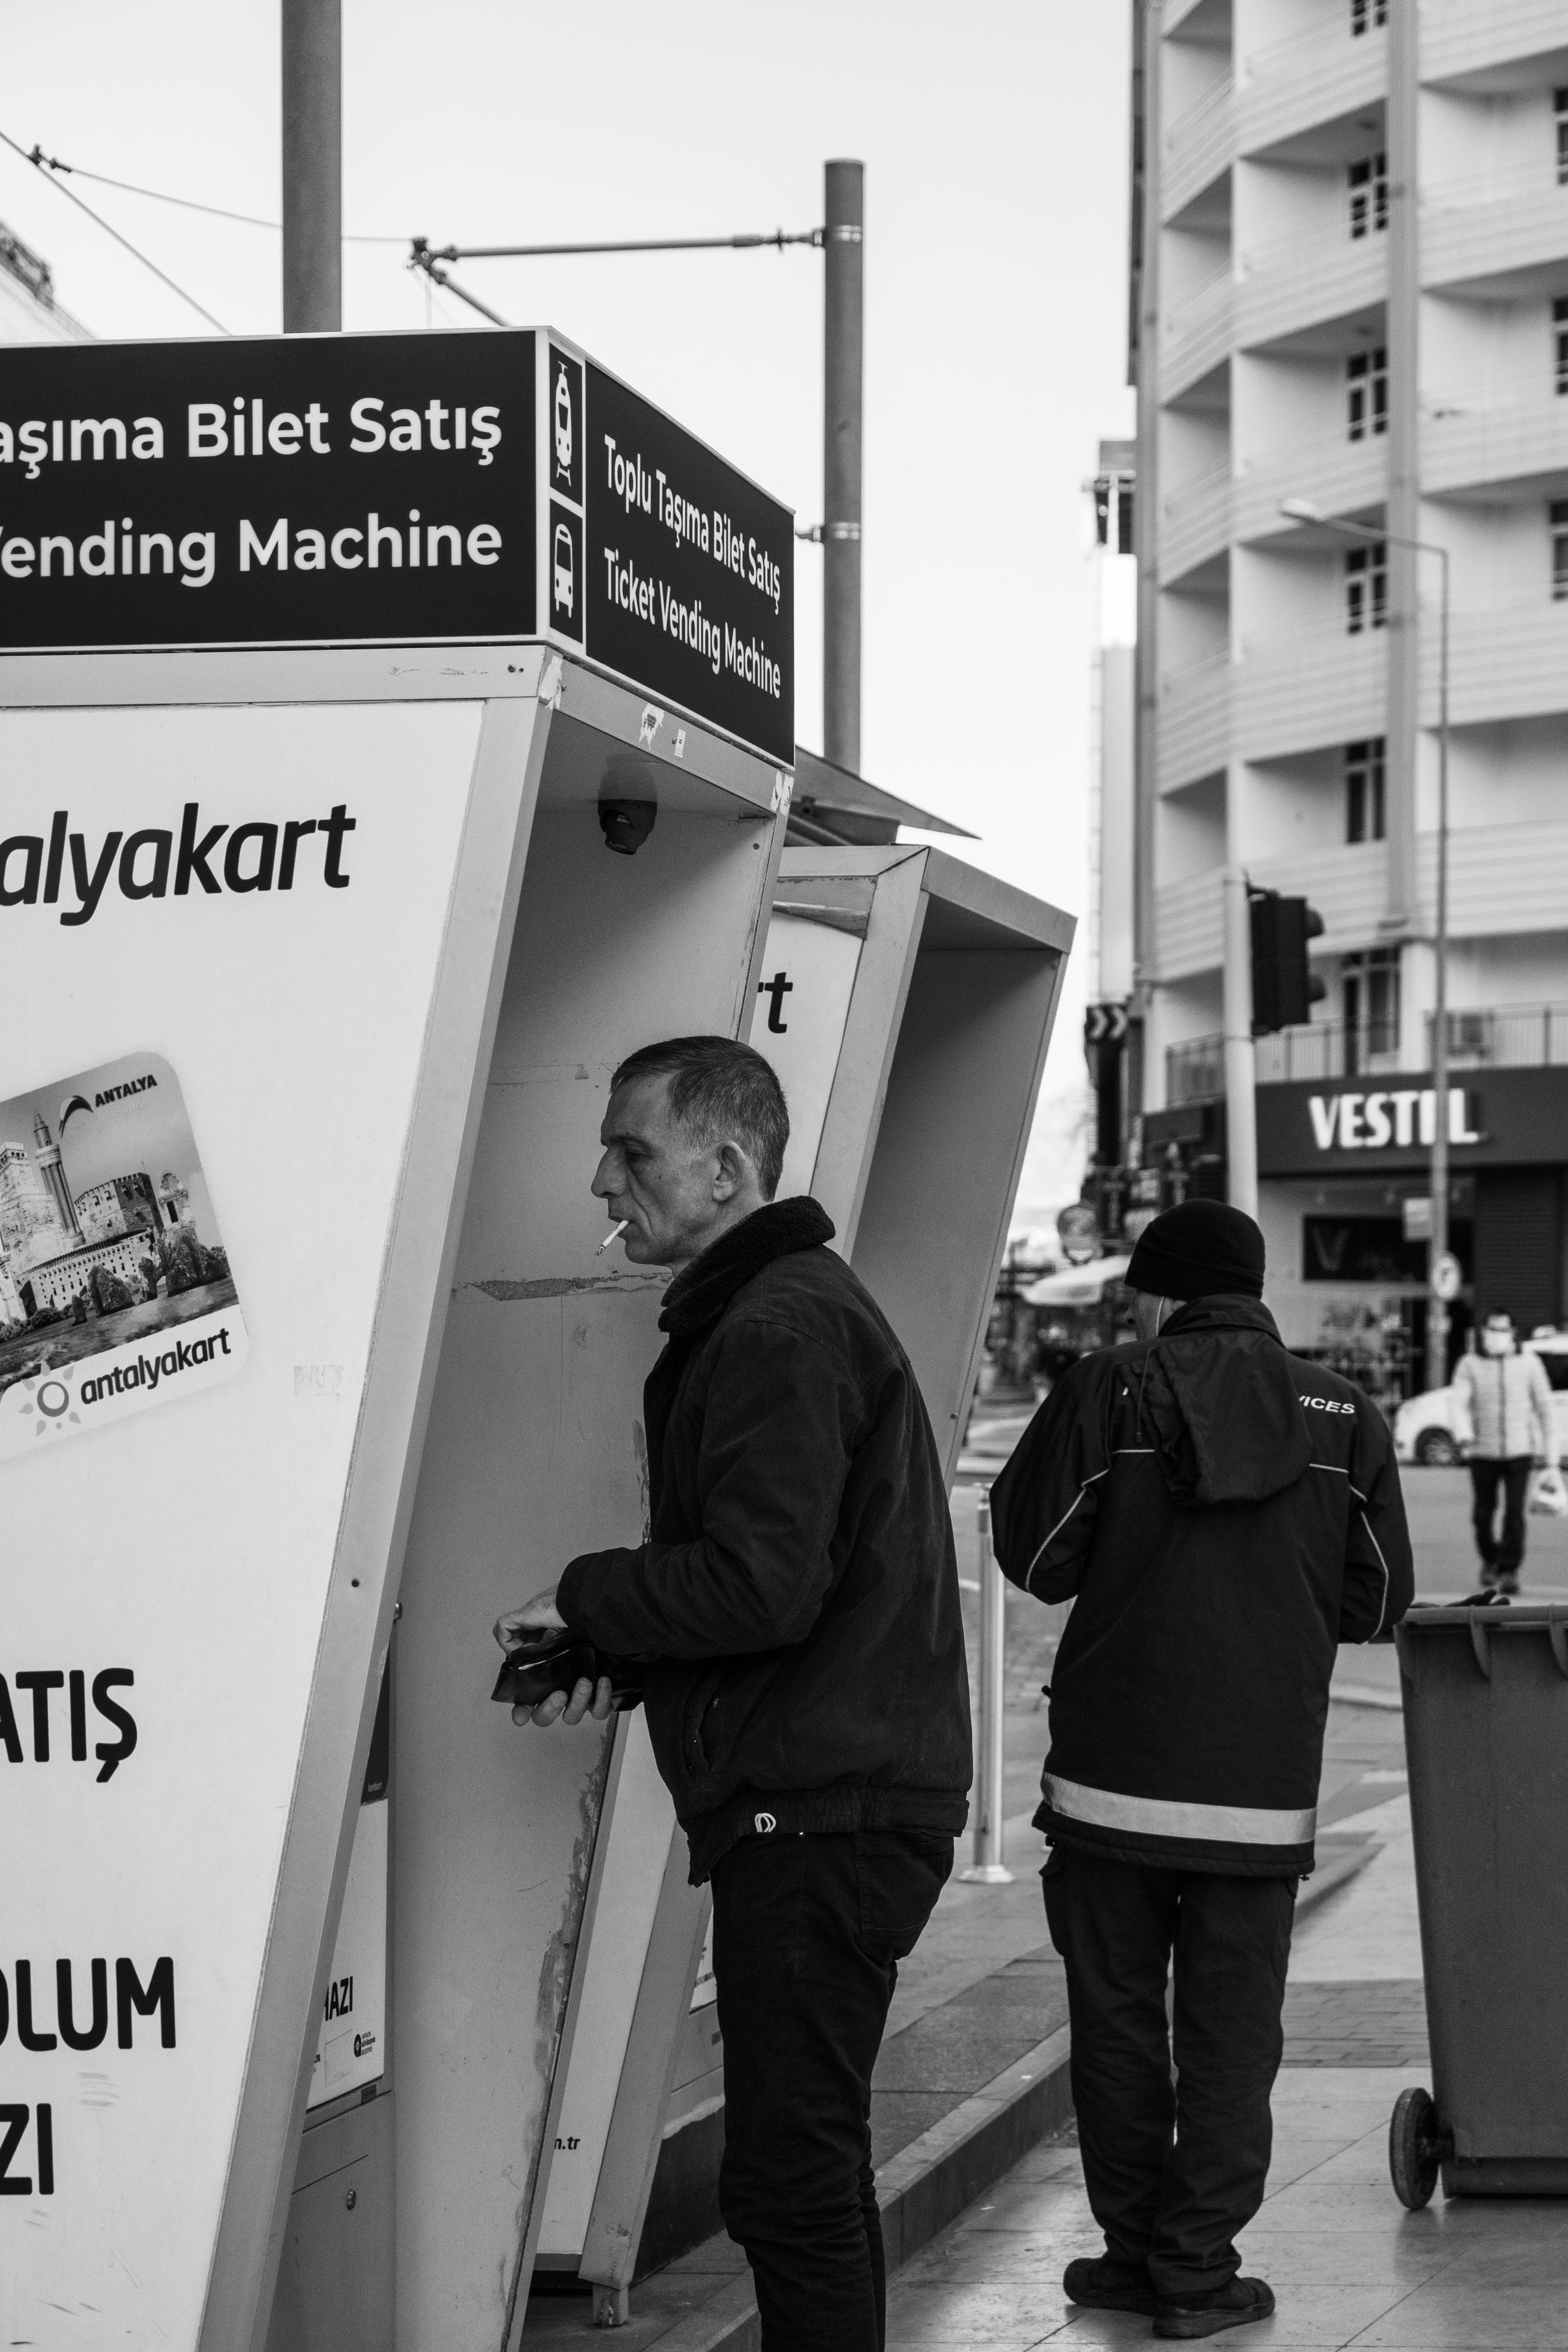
[1187,918]
[1194,522]
[1317,688]
[1194,1072]
[1198,147]
[1508,661]
[1197,334]
[1485,227]
[1296,282]
[1457,37]
[1194,721]
[1467,443]
[1343,477]
[1504,1037]
[1308,79]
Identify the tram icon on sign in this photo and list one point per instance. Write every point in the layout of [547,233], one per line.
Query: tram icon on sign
[562,422]
[565,581]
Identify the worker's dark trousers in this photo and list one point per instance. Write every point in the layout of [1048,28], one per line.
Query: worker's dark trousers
[1487,1474]
[807,1935]
[1171,2173]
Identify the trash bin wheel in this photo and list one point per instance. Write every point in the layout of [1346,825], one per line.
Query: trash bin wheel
[1415,2148]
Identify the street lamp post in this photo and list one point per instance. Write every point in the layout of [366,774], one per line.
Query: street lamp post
[1303,510]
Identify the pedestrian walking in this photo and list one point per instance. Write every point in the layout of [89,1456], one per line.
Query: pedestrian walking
[794,1610]
[1222,1514]
[1502,1424]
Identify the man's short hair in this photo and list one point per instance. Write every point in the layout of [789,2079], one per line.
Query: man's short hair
[719,1090]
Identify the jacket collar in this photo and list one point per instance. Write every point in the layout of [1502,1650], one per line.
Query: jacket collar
[705,1288]
[1222,1313]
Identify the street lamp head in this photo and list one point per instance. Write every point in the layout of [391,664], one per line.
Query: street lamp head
[1301,510]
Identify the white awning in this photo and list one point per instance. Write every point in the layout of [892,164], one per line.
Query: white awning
[1077,1286]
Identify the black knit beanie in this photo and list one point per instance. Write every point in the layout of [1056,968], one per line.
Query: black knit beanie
[1199,1250]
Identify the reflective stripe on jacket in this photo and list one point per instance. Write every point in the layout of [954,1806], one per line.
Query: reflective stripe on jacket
[1222,1515]
[1502,1406]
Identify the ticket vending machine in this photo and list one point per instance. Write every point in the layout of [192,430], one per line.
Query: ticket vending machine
[352,835]
[906,1000]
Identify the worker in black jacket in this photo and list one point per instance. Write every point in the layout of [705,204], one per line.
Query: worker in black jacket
[1220,1514]
[796,1606]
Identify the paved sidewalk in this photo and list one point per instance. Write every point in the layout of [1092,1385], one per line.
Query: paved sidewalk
[1349,2265]
[981,1997]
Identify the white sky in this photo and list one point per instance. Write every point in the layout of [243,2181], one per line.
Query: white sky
[994,138]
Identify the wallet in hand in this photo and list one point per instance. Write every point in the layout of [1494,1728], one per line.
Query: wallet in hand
[535,1671]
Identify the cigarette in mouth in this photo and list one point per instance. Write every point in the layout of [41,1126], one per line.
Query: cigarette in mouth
[610,1236]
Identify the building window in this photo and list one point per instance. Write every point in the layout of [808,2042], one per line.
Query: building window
[1364,799]
[1366,582]
[1113,512]
[1366,393]
[1368,183]
[1559,511]
[1371,992]
[1560,341]
[1560,110]
[1366,14]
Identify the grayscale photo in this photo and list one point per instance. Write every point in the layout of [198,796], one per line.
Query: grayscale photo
[856,718]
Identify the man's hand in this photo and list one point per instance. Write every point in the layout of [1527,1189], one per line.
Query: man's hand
[529,1626]
[530,1623]
[560,1708]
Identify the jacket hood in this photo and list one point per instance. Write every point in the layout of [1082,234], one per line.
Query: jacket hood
[705,1288]
[1218,1396]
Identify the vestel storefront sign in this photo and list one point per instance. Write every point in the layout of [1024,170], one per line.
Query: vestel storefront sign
[392,488]
[1496,1117]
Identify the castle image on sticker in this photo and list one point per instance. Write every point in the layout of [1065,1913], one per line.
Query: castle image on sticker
[108,1240]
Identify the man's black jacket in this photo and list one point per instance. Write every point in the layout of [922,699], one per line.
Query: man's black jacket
[1225,1514]
[799,1597]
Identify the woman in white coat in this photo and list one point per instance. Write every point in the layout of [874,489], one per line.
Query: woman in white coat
[1502,1420]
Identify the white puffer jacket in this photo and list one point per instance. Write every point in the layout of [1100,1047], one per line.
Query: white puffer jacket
[1502,1406]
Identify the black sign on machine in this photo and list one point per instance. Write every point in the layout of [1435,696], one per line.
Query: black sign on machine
[690,577]
[364,489]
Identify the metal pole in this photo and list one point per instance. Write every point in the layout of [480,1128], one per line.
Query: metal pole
[1240,1051]
[1437,1309]
[843,348]
[986,1869]
[312,166]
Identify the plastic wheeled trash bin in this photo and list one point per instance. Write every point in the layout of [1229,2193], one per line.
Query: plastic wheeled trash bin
[1486,1734]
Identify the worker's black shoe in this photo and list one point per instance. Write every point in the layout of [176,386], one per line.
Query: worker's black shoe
[1245,2299]
[1109,2285]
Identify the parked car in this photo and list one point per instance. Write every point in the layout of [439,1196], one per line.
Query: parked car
[1424,1425]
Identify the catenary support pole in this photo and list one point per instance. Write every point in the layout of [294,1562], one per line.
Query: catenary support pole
[1402,725]
[312,166]
[1240,1052]
[1438,1244]
[986,1869]
[843,349]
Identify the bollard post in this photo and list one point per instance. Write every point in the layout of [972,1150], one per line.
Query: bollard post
[986,1869]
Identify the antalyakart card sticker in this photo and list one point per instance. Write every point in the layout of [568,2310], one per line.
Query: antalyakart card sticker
[116,1292]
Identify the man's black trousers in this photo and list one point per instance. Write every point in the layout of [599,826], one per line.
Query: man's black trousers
[807,1935]
[1171,2173]
[1487,1474]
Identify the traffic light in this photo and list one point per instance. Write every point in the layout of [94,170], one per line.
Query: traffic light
[1284,986]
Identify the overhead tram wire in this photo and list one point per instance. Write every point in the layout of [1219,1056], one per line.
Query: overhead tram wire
[424,256]
[37,160]
[186,203]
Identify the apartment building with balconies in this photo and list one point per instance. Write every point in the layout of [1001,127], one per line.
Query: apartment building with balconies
[1355,293]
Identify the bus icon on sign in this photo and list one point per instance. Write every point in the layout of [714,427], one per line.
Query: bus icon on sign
[565,582]
[562,422]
